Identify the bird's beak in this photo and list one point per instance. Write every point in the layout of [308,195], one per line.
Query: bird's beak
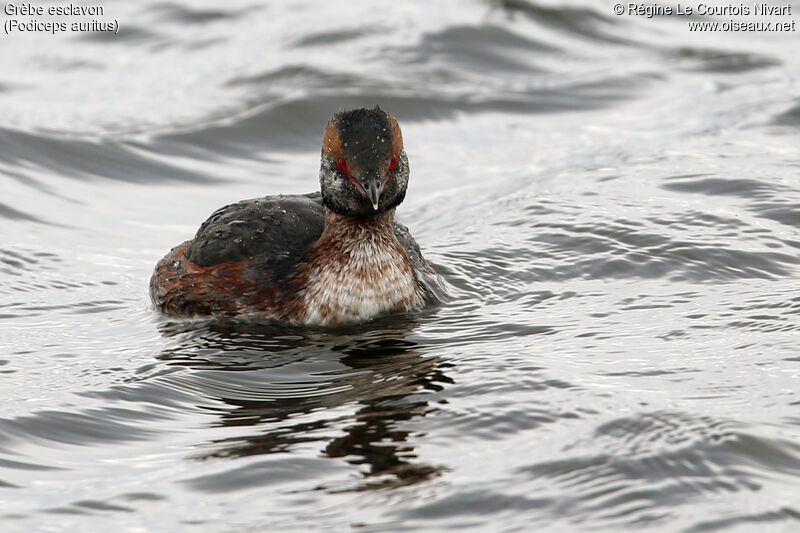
[372,190]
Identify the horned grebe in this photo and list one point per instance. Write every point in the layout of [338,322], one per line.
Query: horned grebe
[319,259]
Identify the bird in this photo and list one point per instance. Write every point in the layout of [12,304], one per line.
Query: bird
[328,258]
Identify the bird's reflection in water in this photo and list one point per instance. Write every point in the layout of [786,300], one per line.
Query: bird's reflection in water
[351,389]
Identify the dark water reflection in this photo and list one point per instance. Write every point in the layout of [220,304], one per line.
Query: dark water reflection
[375,371]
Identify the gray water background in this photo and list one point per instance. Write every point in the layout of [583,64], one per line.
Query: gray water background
[614,201]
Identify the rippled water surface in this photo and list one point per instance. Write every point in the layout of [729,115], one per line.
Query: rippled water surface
[613,200]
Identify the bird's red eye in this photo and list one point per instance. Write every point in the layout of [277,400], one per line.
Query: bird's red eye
[342,165]
[393,162]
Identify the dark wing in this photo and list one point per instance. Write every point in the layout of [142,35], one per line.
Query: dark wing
[272,234]
[241,258]
[426,276]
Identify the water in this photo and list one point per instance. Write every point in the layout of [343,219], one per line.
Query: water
[614,201]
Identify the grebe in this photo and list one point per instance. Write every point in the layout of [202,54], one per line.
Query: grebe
[326,258]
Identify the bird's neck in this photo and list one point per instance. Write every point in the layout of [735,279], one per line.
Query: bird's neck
[349,227]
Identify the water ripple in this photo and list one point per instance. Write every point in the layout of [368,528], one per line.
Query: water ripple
[612,199]
[645,460]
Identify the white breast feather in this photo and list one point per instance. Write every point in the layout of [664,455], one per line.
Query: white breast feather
[372,278]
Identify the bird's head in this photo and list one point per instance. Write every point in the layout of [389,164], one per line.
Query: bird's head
[364,168]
